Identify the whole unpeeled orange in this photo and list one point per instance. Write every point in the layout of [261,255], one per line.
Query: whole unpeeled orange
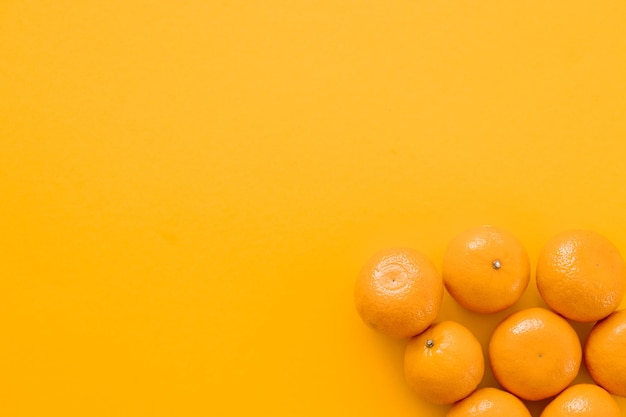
[583,400]
[535,353]
[486,269]
[581,275]
[605,353]
[489,402]
[444,364]
[399,292]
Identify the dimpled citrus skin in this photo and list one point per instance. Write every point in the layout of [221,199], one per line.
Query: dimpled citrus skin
[605,353]
[581,275]
[444,364]
[583,400]
[486,269]
[399,292]
[489,402]
[535,353]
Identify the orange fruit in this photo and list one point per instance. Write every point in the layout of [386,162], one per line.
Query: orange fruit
[486,269]
[605,353]
[489,402]
[581,275]
[535,353]
[444,364]
[583,400]
[399,292]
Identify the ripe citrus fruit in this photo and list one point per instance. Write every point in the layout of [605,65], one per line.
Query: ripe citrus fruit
[583,400]
[486,269]
[489,402]
[535,353]
[444,364]
[605,353]
[399,292]
[581,275]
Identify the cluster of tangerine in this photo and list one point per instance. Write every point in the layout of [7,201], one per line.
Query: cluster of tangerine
[534,353]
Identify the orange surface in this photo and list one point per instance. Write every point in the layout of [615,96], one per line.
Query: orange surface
[489,402]
[563,269]
[604,353]
[398,292]
[485,269]
[445,363]
[535,354]
[582,400]
[189,189]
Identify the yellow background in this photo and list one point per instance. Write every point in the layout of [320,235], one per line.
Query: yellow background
[189,188]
